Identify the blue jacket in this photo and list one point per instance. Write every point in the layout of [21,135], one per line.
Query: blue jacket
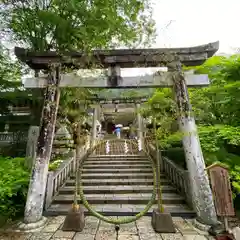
[118,130]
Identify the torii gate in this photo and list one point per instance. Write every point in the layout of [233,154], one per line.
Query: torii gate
[120,100]
[114,60]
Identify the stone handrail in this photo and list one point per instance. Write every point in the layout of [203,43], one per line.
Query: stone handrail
[177,175]
[179,178]
[12,136]
[57,178]
[6,137]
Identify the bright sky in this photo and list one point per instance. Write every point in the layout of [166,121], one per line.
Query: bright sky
[196,22]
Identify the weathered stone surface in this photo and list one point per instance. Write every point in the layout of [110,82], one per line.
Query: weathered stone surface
[33,134]
[51,228]
[128,237]
[105,235]
[199,225]
[151,236]
[144,226]
[60,238]
[62,234]
[99,230]
[123,57]
[80,236]
[162,79]
[203,230]
[106,227]
[41,236]
[194,237]
[57,219]
[120,192]
[129,228]
[38,181]
[176,236]
[15,236]
[162,222]
[32,227]
[185,227]
[199,187]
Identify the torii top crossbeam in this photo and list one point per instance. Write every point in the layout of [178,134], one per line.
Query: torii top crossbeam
[124,58]
[118,100]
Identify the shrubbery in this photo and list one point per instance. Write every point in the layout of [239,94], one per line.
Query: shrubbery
[219,144]
[13,186]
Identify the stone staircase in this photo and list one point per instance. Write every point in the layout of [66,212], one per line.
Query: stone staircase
[119,186]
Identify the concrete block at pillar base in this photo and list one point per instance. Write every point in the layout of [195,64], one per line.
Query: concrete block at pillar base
[200,225]
[74,220]
[162,222]
[32,227]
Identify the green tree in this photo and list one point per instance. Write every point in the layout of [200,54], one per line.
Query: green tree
[67,25]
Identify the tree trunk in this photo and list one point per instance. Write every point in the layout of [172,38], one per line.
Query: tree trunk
[200,190]
[38,180]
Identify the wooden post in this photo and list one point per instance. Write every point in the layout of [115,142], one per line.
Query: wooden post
[38,180]
[199,185]
[49,192]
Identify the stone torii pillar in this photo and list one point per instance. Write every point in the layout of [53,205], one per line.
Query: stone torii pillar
[200,190]
[94,126]
[139,124]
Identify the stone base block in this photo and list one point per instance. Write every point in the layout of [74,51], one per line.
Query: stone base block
[217,230]
[162,222]
[32,227]
[75,220]
[201,226]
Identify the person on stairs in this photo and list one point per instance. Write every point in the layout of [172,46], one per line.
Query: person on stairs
[118,132]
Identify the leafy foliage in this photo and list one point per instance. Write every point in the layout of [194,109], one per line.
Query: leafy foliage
[54,165]
[13,186]
[9,71]
[77,24]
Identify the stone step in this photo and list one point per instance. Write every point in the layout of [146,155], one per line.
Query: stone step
[124,171]
[134,198]
[138,156]
[116,189]
[118,159]
[132,156]
[119,166]
[111,176]
[116,182]
[119,162]
[177,210]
